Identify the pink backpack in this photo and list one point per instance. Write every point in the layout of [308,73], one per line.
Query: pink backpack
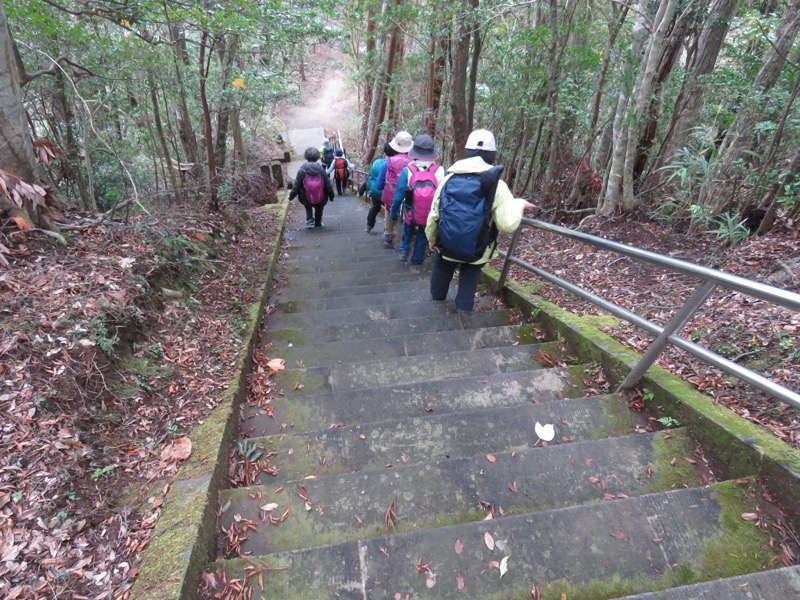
[314,187]
[419,196]
[394,166]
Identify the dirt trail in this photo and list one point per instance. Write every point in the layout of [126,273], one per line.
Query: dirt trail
[329,99]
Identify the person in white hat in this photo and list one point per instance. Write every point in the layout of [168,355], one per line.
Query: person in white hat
[387,180]
[456,230]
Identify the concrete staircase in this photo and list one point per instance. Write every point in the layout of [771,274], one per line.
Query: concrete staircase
[397,456]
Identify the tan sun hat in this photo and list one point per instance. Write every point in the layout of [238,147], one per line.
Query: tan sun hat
[402,142]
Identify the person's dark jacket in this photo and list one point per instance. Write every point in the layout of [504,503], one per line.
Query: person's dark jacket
[299,190]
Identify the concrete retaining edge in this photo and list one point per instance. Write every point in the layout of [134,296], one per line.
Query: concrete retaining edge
[736,446]
[183,540]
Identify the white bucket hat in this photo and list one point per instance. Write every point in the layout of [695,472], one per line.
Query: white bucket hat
[481,139]
[402,142]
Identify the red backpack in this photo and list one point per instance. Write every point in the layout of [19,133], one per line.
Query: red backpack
[419,195]
[340,164]
[314,187]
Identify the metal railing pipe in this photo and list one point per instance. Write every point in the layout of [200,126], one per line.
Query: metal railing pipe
[763,291]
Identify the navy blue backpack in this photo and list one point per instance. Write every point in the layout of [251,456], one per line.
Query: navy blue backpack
[466,227]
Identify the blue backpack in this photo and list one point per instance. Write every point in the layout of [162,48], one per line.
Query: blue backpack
[466,228]
[327,155]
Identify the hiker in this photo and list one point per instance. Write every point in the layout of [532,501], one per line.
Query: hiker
[370,186]
[340,167]
[414,193]
[314,188]
[469,208]
[387,180]
[326,152]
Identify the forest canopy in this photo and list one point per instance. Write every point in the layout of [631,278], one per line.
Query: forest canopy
[684,111]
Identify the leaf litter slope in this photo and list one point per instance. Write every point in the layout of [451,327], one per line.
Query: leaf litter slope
[108,360]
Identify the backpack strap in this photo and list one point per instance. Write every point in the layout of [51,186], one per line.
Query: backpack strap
[489,181]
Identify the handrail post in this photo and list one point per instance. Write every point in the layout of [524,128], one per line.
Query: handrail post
[507,263]
[677,322]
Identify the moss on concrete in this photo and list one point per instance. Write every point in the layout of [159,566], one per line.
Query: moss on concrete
[672,447]
[292,336]
[735,447]
[183,539]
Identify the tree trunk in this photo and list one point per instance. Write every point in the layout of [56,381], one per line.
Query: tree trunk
[162,140]
[72,157]
[690,99]
[213,199]
[226,53]
[185,128]
[16,149]
[436,70]
[477,45]
[382,95]
[717,194]
[458,77]
[369,60]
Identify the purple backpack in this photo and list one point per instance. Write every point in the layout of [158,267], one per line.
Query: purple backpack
[314,187]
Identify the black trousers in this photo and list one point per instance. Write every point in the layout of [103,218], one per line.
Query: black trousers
[442,275]
[314,211]
[373,211]
[341,183]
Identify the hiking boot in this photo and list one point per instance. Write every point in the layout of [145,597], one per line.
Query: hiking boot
[402,256]
[368,229]
[387,240]
[309,222]
[320,225]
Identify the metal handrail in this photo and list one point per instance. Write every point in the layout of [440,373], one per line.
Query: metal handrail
[710,279]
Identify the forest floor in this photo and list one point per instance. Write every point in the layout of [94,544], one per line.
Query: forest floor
[114,346]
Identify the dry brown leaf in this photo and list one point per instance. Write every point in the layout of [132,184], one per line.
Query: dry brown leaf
[750,516]
[459,582]
[488,540]
[277,364]
[491,458]
[178,450]
[620,535]
[459,547]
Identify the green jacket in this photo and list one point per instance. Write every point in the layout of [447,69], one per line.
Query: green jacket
[506,211]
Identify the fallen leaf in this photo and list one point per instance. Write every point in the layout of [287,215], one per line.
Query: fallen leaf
[750,516]
[430,581]
[488,540]
[494,564]
[545,432]
[459,548]
[491,458]
[459,582]
[178,450]
[277,364]
[269,507]
[504,566]
[620,535]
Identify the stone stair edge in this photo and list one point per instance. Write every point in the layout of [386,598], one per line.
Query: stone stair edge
[526,534]
[172,564]
[738,447]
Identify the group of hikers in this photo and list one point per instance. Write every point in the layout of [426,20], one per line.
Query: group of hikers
[453,215]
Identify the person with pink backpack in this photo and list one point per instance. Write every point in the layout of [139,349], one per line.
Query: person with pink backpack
[413,195]
[313,187]
[387,180]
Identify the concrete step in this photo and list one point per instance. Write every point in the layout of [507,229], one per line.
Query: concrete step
[777,584]
[435,437]
[413,344]
[331,332]
[353,506]
[603,550]
[358,278]
[415,369]
[291,409]
[296,292]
